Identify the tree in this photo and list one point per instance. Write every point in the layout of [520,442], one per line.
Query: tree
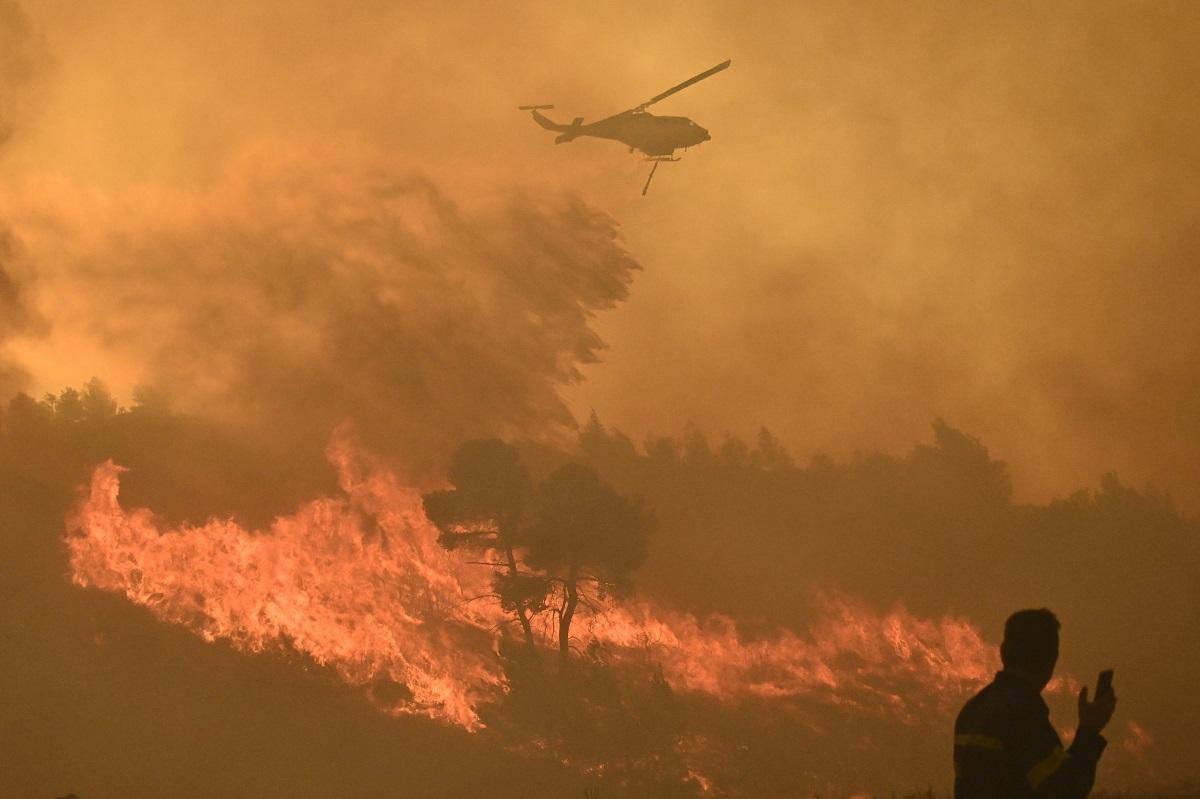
[733,453]
[584,532]
[958,472]
[696,451]
[97,400]
[604,446]
[770,454]
[487,511]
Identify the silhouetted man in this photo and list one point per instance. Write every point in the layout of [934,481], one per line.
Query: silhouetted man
[1004,744]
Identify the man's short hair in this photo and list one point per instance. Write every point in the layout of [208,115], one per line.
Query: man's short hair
[1030,640]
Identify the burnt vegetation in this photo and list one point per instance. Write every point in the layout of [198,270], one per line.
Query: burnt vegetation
[744,529]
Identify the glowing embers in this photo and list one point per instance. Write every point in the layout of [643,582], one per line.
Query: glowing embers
[360,584]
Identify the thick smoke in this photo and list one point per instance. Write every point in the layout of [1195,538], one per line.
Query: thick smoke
[21,57]
[983,214]
[312,285]
[14,316]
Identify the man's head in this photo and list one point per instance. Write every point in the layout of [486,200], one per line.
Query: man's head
[1030,647]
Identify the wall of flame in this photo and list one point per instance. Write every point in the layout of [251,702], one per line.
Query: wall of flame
[357,582]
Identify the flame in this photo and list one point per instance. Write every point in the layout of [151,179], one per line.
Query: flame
[383,605]
[359,583]
[1138,740]
[851,655]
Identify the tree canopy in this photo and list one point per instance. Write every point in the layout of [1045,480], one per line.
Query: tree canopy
[572,528]
[585,532]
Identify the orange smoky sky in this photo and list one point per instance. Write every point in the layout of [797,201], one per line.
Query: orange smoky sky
[980,212]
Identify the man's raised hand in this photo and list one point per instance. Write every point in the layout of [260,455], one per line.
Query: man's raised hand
[1094,715]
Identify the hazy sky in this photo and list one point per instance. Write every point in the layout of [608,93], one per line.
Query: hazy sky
[972,211]
[284,214]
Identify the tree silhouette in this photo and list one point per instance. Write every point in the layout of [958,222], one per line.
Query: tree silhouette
[485,512]
[584,532]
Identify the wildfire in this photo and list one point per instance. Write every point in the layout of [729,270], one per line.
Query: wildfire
[382,604]
[359,583]
[851,656]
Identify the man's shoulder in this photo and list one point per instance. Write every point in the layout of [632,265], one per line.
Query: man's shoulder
[997,709]
[987,703]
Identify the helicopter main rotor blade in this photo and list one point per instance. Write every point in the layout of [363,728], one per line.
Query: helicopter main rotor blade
[695,79]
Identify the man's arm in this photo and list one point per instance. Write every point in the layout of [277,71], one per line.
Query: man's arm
[979,766]
[1056,774]
[1066,774]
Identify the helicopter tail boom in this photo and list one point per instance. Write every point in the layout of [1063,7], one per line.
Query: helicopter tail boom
[546,122]
[569,132]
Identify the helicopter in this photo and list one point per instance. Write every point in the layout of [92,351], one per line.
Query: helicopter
[655,137]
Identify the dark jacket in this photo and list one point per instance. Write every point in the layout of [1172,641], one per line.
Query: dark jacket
[1006,748]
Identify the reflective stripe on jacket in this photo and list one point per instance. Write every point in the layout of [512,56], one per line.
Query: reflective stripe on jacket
[1006,748]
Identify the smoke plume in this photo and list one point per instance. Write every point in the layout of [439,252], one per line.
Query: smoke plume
[21,58]
[315,284]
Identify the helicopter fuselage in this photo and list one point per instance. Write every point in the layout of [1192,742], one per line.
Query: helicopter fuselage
[654,136]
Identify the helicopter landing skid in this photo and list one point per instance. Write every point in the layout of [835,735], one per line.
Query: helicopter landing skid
[657,159]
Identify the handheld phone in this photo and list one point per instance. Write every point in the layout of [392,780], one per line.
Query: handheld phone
[1104,683]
